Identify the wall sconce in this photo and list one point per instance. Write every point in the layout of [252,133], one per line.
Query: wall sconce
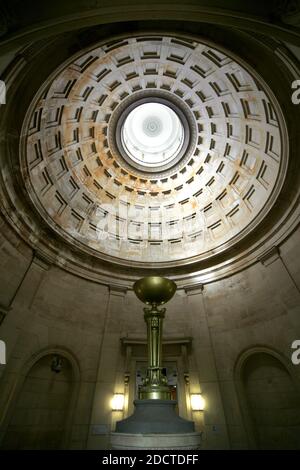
[117,403]
[56,363]
[197,402]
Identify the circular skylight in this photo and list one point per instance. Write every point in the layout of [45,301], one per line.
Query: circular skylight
[152,134]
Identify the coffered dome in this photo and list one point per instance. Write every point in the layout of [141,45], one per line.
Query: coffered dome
[154,149]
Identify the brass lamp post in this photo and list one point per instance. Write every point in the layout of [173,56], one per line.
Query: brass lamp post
[154,291]
[154,411]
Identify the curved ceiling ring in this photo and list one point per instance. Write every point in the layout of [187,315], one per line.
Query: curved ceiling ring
[219,193]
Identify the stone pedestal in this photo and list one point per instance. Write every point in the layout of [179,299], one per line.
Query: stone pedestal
[127,441]
[155,425]
[155,416]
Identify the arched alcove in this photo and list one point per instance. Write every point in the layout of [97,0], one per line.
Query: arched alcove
[41,411]
[270,400]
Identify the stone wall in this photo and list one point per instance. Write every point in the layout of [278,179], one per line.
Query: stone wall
[47,310]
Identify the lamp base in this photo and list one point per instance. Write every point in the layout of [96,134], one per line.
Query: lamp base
[155,393]
[155,416]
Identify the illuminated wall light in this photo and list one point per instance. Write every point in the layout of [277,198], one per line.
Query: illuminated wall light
[197,402]
[117,403]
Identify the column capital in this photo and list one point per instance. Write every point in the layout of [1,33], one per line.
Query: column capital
[194,289]
[269,256]
[118,290]
[42,261]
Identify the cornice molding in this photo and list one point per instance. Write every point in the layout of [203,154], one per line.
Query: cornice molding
[100,15]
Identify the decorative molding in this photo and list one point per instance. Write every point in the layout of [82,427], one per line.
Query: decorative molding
[117,290]
[194,289]
[143,341]
[270,256]
[84,17]
[42,261]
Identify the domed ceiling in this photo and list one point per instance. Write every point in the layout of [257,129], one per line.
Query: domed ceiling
[154,149]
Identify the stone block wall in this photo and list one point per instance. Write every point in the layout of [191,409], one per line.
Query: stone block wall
[47,310]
